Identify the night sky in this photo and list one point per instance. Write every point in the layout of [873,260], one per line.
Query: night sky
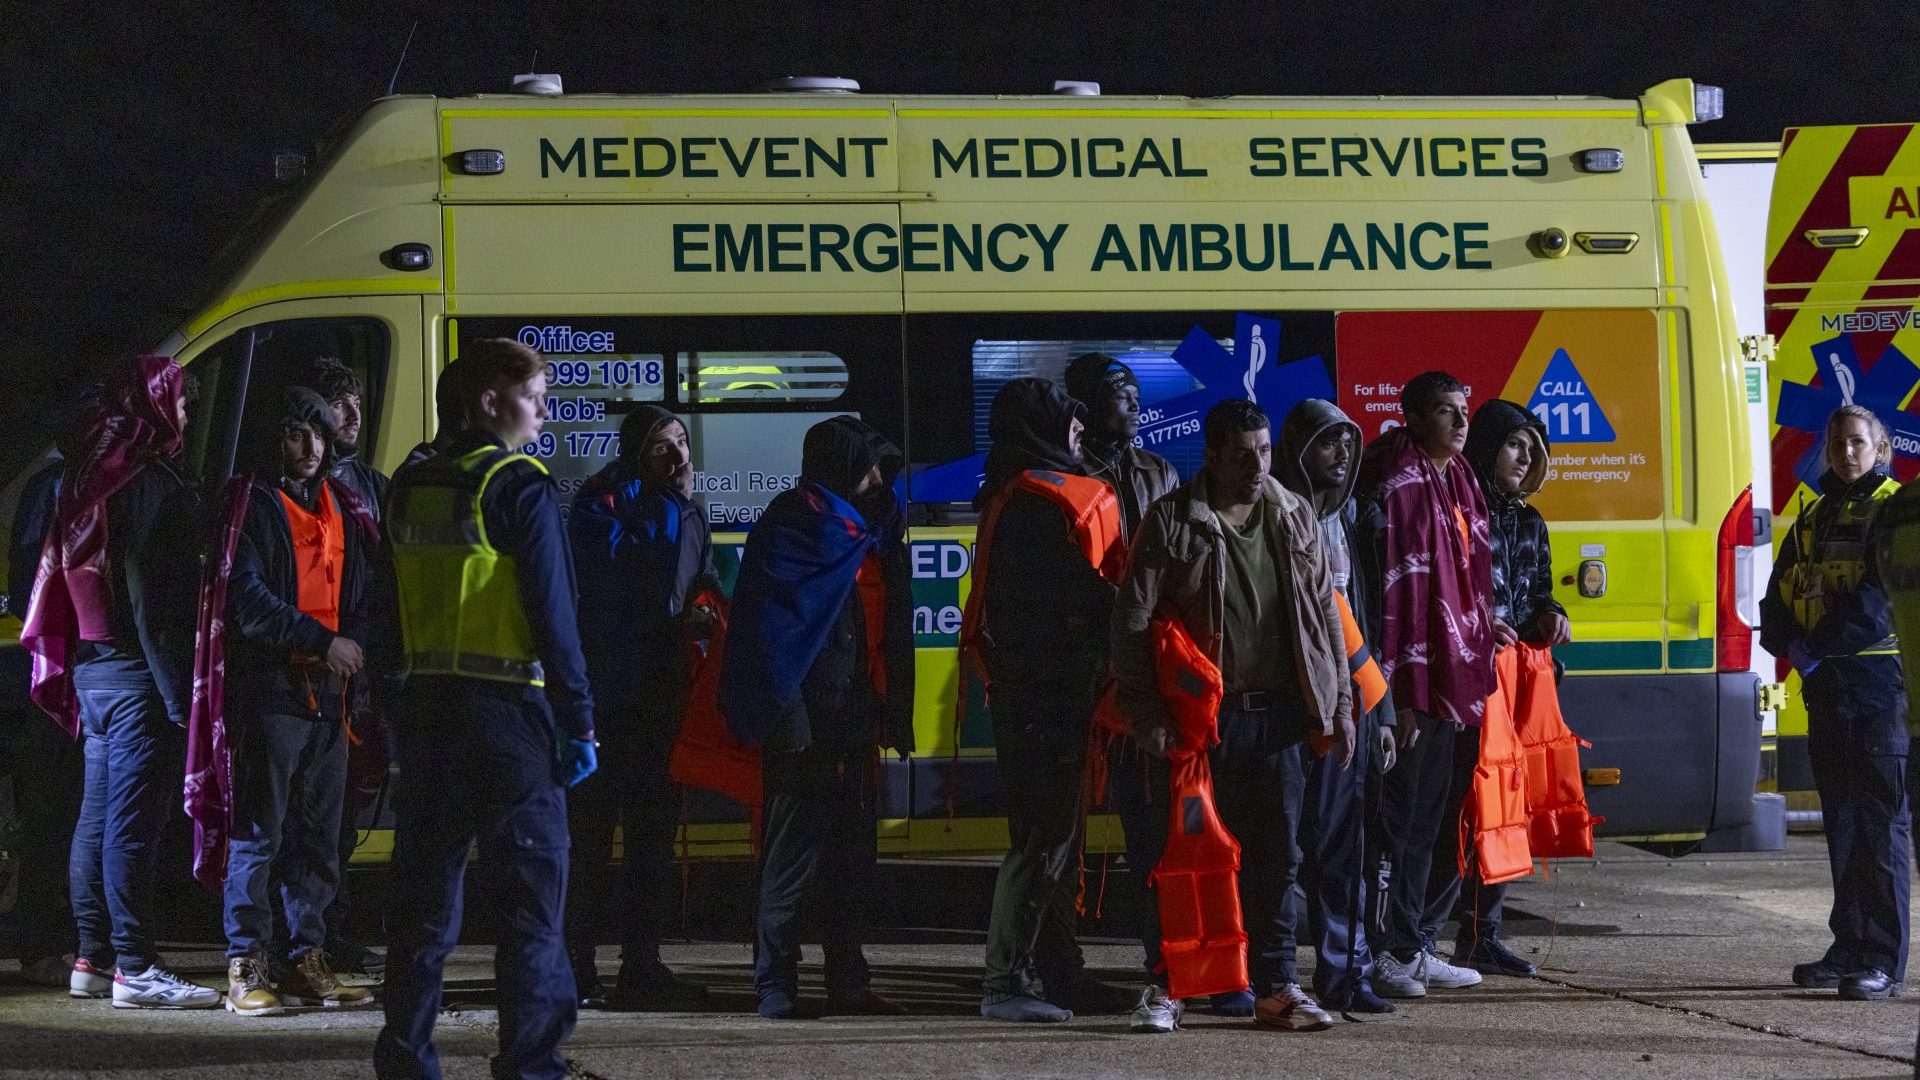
[138,138]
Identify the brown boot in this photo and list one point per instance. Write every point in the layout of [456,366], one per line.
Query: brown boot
[311,982]
[247,990]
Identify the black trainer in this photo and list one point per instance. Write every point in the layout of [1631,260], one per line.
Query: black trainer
[1365,1005]
[1822,974]
[1869,985]
[1489,956]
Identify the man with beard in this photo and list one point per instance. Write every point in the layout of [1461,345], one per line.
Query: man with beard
[367,757]
[1037,620]
[819,673]
[1436,650]
[1319,446]
[295,590]
[643,552]
[1233,556]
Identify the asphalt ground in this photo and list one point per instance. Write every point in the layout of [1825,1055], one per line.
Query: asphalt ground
[1651,968]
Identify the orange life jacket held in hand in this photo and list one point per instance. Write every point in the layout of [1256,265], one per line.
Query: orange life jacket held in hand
[1528,801]
[1203,941]
[706,755]
[1369,684]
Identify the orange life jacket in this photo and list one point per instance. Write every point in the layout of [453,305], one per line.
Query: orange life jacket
[706,755]
[1528,801]
[319,555]
[871,582]
[1370,686]
[1093,520]
[1558,823]
[1203,941]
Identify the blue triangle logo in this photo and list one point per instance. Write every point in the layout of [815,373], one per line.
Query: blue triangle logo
[1566,405]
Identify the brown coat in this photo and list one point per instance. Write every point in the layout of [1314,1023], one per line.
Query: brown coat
[1178,568]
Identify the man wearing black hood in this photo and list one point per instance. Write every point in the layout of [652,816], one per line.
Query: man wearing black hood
[1316,459]
[819,673]
[1507,447]
[644,553]
[367,757]
[296,617]
[1043,615]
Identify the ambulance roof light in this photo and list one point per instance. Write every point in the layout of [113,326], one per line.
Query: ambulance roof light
[1076,88]
[541,85]
[813,84]
[1709,103]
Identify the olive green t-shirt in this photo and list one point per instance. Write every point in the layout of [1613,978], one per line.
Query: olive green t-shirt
[1255,655]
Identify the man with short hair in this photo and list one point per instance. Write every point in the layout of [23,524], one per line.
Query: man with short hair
[1234,556]
[644,555]
[1319,449]
[367,758]
[494,721]
[1436,650]
[110,628]
[295,572]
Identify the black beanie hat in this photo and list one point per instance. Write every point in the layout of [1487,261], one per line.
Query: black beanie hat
[1091,376]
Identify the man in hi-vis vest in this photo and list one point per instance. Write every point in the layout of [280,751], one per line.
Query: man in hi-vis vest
[494,722]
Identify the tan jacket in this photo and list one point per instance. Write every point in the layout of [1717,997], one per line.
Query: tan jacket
[1178,568]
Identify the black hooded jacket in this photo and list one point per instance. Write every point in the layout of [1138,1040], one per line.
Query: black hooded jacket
[1846,685]
[1361,521]
[1522,553]
[839,692]
[1047,610]
[274,651]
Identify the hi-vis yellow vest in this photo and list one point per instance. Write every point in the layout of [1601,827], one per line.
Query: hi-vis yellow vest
[1832,558]
[460,611]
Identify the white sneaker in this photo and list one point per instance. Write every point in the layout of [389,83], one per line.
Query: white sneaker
[1394,979]
[158,988]
[1447,976]
[1157,1014]
[85,982]
[1290,1009]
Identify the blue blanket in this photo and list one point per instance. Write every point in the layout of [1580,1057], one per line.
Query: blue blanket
[795,576]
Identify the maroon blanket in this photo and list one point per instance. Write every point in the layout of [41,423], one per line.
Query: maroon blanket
[209,786]
[136,422]
[1437,637]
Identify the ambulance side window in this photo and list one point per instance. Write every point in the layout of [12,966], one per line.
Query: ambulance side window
[260,360]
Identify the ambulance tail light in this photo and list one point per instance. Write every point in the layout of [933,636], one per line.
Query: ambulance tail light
[1733,636]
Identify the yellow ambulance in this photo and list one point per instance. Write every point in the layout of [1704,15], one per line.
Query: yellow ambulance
[1842,272]
[759,262]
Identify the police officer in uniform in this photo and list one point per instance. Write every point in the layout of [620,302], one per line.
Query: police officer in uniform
[1825,610]
[493,723]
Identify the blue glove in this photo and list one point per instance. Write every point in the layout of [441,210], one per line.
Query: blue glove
[573,760]
[1802,658]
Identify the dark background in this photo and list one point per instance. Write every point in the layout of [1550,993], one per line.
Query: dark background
[137,136]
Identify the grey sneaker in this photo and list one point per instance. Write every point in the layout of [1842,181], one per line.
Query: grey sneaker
[1157,1014]
[1290,1009]
[1399,979]
[158,988]
[1021,1009]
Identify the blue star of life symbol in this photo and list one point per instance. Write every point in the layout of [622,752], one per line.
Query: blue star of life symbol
[1884,388]
[1171,426]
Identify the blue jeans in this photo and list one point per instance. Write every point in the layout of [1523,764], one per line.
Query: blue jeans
[133,769]
[289,775]
[1333,833]
[476,766]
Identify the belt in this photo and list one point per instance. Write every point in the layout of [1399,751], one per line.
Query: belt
[1249,701]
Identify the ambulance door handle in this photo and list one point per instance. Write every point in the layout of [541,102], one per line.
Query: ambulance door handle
[1762,528]
[1835,239]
